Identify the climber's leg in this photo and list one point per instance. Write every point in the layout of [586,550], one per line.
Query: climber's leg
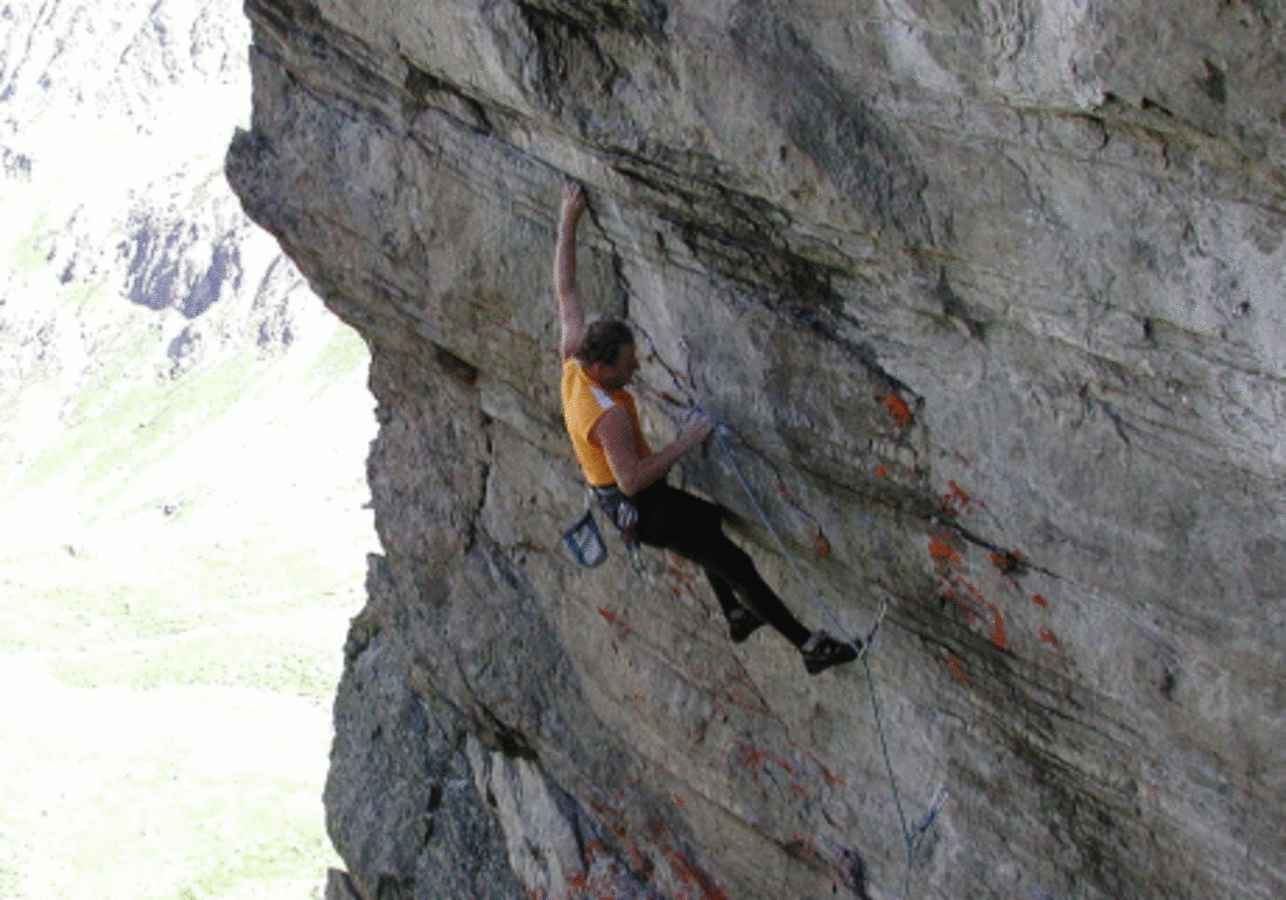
[693,528]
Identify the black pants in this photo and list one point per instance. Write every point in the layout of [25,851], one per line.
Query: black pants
[693,528]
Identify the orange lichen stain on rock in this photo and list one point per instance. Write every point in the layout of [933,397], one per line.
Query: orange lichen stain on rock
[955,499]
[611,819]
[898,409]
[1039,600]
[805,850]
[977,599]
[957,670]
[881,471]
[639,861]
[692,876]
[625,629]
[677,569]
[830,778]
[679,801]
[821,546]
[744,682]
[798,790]
[997,632]
[603,881]
[754,758]
[975,595]
[950,594]
[737,694]
[1048,637]
[1005,563]
[943,552]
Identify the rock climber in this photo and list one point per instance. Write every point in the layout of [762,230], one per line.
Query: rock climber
[598,361]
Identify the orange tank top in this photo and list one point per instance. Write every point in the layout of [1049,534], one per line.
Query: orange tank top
[584,403]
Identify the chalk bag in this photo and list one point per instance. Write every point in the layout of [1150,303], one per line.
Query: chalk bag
[585,542]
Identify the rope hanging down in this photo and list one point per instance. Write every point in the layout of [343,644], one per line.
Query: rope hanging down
[910,835]
[683,383]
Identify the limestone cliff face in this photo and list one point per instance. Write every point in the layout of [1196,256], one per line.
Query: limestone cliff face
[989,295]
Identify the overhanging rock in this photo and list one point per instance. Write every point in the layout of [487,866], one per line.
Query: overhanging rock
[990,298]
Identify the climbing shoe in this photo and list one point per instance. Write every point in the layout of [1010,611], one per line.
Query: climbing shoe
[742,623]
[822,651]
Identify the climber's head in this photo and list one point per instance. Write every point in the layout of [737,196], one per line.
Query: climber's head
[608,353]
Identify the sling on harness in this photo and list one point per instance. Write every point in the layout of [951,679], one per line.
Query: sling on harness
[622,512]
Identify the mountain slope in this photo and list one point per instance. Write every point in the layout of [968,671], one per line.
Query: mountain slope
[182,435]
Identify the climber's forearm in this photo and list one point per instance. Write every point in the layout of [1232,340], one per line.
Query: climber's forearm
[571,314]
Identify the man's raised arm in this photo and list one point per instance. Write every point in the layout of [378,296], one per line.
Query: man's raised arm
[571,317]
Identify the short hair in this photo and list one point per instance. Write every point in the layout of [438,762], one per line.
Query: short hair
[603,341]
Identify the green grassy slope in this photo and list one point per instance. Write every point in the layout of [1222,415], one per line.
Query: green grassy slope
[179,557]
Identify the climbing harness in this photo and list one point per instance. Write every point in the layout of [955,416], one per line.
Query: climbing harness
[621,510]
[585,541]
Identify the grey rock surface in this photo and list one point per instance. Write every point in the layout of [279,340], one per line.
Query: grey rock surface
[990,298]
